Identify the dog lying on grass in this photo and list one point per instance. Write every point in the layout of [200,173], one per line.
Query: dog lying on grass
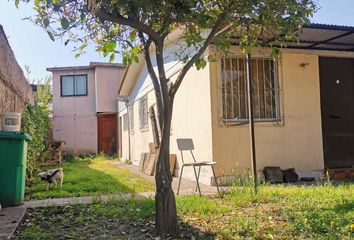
[52,176]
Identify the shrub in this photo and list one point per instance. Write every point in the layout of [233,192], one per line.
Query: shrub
[35,122]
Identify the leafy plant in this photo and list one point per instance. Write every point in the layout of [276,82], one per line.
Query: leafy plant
[35,122]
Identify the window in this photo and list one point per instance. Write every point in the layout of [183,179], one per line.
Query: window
[131,118]
[143,113]
[234,89]
[73,85]
[125,122]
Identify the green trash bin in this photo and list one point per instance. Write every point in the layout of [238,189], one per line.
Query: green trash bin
[13,153]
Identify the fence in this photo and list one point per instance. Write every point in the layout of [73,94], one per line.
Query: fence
[14,88]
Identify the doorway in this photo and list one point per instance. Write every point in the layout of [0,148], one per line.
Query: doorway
[337,109]
[107,133]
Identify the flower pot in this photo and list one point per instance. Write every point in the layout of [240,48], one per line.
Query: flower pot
[11,122]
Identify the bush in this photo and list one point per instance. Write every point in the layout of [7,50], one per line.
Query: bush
[35,122]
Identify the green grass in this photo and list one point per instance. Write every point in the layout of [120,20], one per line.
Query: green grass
[276,212]
[93,175]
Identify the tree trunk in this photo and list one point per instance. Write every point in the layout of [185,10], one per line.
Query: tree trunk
[166,213]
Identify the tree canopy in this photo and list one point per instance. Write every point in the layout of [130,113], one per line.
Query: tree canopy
[115,25]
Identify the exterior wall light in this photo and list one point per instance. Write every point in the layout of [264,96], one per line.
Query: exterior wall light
[304,65]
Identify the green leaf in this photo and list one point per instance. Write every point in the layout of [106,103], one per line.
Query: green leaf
[135,59]
[83,17]
[110,46]
[200,63]
[64,23]
[46,22]
[111,58]
[51,36]
[83,46]
[77,55]
[132,37]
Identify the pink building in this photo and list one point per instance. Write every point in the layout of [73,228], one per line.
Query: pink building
[85,107]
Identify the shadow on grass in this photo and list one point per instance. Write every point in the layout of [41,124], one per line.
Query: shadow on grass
[123,219]
[344,207]
[89,176]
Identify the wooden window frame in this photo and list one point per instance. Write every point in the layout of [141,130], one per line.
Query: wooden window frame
[143,124]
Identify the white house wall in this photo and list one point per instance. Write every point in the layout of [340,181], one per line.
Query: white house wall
[191,114]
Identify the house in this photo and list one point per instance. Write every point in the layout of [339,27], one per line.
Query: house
[85,107]
[303,107]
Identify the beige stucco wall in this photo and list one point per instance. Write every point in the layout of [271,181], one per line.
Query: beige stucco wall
[74,120]
[294,142]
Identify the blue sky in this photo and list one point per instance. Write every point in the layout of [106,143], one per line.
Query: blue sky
[33,47]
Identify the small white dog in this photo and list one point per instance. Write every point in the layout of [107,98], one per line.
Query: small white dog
[52,176]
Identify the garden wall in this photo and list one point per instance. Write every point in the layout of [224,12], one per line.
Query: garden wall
[14,88]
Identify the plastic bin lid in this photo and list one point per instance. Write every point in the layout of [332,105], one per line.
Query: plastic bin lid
[15,135]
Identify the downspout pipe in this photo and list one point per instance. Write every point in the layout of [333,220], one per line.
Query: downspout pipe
[126,100]
[129,148]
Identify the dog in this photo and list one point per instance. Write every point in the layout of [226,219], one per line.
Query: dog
[52,176]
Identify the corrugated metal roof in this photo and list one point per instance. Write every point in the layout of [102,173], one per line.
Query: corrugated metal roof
[326,37]
[317,36]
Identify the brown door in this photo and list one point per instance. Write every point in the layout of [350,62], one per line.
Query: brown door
[337,106]
[107,133]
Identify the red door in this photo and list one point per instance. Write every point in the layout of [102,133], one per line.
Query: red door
[107,133]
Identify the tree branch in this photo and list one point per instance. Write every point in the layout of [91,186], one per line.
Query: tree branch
[126,21]
[215,30]
[155,80]
[162,74]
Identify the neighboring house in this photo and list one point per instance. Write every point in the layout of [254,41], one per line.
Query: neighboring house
[303,107]
[85,107]
[14,88]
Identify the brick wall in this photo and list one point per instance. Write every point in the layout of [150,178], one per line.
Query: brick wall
[14,88]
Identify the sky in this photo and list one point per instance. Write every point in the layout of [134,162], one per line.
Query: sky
[33,48]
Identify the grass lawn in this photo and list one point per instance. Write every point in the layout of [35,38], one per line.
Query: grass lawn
[93,175]
[277,212]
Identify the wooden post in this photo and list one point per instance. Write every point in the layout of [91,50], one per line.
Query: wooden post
[155,131]
[251,120]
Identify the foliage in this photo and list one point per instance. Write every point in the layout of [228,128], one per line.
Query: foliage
[115,26]
[43,96]
[90,175]
[35,122]
[277,212]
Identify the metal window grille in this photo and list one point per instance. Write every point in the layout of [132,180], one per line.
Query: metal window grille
[143,113]
[233,87]
[125,122]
